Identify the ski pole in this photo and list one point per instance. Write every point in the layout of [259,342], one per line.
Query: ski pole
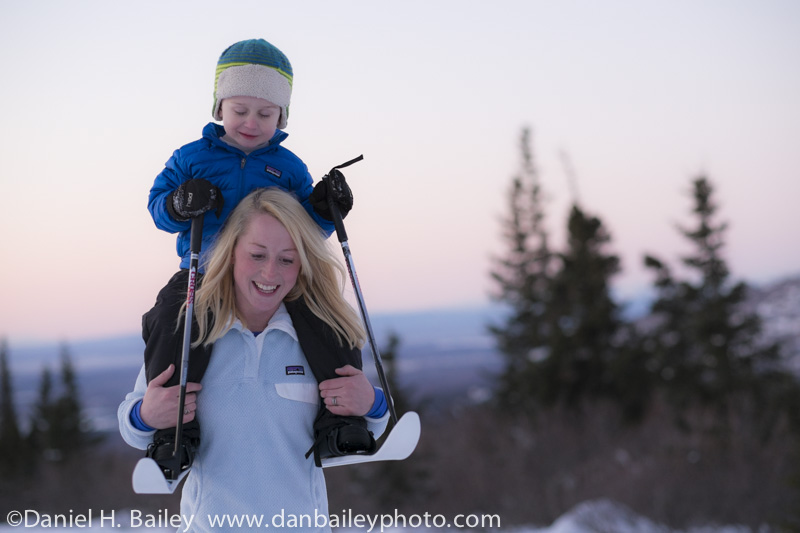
[196,242]
[333,181]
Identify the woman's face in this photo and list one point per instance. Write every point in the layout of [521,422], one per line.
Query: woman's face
[265,268]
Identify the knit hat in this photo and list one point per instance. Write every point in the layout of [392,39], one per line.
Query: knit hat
[254,68]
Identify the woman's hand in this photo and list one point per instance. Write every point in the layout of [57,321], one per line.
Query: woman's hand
[160,404]
[349,395]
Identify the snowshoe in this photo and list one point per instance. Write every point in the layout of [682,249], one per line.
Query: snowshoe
[335,436]
[162,449]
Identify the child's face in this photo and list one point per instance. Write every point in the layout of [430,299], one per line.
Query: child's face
[250,122]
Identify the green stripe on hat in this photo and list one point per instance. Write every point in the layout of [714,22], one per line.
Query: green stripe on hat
[223,66]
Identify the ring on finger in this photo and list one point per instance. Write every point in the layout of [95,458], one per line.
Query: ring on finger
[333,401]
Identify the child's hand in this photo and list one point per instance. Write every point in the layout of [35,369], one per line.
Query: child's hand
[342,196]
[193,198]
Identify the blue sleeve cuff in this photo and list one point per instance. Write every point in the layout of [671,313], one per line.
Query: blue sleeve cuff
[379,406]
[136,418]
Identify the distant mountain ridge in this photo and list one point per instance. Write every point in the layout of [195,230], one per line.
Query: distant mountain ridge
[778,304]
[447,328]
[445,356]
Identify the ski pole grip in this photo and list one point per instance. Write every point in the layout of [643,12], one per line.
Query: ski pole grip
[336,215]
[331,181]
[196,240]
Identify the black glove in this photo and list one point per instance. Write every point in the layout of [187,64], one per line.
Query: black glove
[342,195]
[194,198]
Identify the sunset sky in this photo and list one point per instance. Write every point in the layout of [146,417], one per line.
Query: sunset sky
[641,97]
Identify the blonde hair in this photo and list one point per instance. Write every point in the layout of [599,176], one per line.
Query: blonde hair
[320,280]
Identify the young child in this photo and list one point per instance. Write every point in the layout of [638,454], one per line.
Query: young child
[252,91]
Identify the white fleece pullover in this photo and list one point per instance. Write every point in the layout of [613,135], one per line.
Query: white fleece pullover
[256,411]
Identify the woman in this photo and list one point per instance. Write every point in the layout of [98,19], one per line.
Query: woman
[259,401]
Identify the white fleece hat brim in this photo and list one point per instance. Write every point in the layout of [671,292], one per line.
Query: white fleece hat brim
[257,81]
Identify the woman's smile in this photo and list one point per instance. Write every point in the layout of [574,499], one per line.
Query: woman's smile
[268,289]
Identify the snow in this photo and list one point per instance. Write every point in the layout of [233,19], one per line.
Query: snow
[602,516]
[596,516]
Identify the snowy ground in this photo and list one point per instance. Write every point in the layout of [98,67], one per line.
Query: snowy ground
[600,516]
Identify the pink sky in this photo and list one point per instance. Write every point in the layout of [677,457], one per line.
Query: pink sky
[642,96]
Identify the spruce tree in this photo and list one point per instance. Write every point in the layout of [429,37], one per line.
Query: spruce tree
[42,418]
[59,429]
[563,331]
[523,278]
[71,435]
[705,349]
[587,323]
[11,442]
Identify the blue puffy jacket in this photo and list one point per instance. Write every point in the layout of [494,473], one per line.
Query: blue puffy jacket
[235,173]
